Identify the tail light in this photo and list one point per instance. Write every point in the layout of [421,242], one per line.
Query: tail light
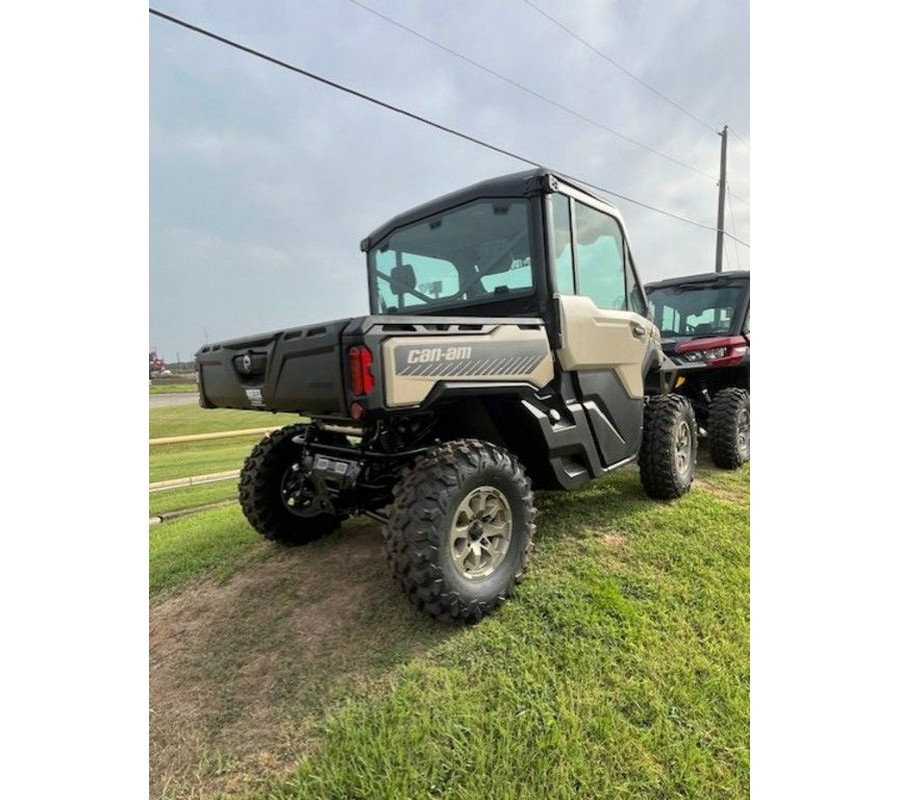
[362,381]
[722,351]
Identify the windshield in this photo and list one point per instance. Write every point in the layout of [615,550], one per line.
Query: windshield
[694,309]
[472,254]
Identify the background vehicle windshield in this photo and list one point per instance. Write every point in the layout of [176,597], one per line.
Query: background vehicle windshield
[473,254]
[691,310]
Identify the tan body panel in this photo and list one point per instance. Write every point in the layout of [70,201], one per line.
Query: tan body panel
[511,354]
[595,338]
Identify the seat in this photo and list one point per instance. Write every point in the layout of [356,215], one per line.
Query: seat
[403,279]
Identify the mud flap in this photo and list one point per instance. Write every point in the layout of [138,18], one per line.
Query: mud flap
[659,377]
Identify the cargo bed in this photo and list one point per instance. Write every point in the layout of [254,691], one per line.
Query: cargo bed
[295,370]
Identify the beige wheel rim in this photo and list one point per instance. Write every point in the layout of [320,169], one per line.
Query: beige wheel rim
[481,533]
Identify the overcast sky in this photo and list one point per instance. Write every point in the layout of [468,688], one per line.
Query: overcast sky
[263,182]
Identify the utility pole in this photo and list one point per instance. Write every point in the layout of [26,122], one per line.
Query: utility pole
[720,225]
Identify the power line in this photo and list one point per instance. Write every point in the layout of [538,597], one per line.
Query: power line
[335,85]
[631,75]
[736,197]
[418,118]
[742,141]
[619,66]
[532,92]
[656,209]
[728,186]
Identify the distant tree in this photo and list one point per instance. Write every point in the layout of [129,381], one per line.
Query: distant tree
[157,365]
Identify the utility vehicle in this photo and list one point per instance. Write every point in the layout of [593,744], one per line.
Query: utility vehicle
[704,321]
[508,349]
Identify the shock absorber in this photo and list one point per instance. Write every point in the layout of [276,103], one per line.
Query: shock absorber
[389,439]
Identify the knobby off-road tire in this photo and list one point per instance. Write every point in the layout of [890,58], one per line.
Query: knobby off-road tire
[668,454]
[260,492]
[729,428]
[460,529]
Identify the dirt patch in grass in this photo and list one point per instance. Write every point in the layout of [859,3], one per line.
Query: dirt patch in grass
[241,673]
[615,541]
[722,492]
[715,480]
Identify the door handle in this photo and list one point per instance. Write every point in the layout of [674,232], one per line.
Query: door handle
[638,330]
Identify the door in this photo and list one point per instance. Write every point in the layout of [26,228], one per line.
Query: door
[606,344]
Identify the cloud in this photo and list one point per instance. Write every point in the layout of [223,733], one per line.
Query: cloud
[263,182]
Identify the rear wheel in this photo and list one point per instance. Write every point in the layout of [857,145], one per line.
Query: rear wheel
[729,428]
[271,493]
[460,529]
[668,454]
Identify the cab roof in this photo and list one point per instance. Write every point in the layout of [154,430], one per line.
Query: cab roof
[704,277]
[518,184]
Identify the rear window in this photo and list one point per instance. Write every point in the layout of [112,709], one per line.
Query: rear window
[468,255]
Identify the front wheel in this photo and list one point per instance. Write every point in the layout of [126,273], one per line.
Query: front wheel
[668,454]
[729,428]
[272,500]
[460,529]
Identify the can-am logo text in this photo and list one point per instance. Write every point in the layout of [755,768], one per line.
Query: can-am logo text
[429,355]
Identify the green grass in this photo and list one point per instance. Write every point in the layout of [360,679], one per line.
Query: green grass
[174,388]
[187,420]
[191,459]
[166,501]
[215,543]
[620,669]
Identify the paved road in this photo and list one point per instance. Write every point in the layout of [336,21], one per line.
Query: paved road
[175,399]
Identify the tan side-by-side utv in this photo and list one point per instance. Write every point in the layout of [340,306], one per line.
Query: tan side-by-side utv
[508,348]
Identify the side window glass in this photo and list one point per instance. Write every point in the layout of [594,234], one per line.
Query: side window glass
[600,258]
[747,323]
[562,242]
[635,298]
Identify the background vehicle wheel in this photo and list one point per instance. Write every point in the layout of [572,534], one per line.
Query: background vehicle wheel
[668,454]
[460,529]
[729,428]
[267,479]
